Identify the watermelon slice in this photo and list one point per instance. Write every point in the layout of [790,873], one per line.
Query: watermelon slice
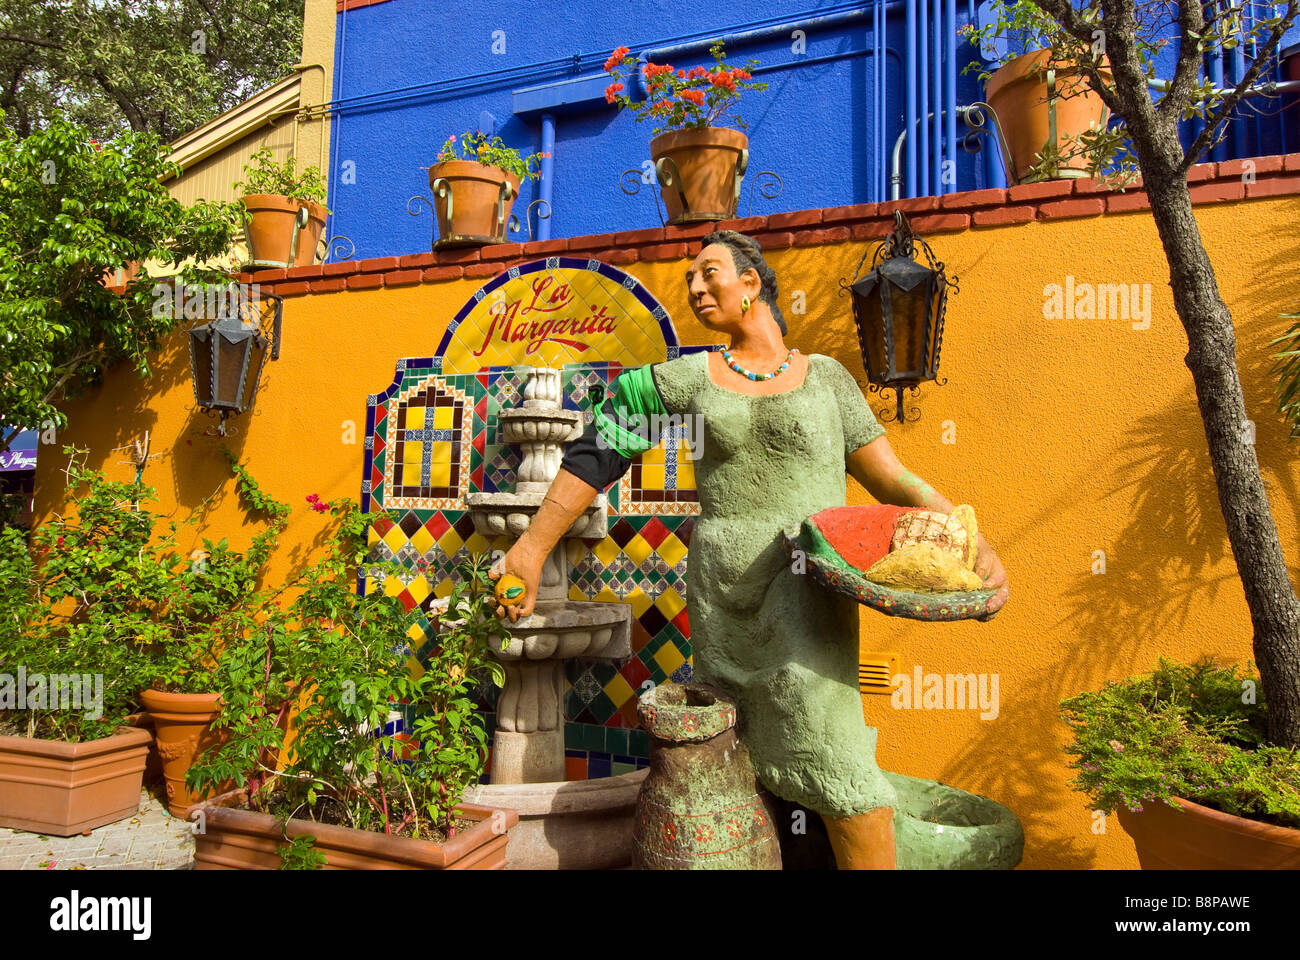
[841,543]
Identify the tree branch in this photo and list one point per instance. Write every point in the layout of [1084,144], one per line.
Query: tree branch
[31,41]
[1223,113]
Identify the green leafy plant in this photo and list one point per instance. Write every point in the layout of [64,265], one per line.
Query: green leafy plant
[1196,732]
[477,146]
[348,761]
[106,590]
[264,174]
[300,854]
[73,211]
[1287,370]
[682,99]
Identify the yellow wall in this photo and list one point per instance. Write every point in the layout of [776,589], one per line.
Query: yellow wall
[1071,437]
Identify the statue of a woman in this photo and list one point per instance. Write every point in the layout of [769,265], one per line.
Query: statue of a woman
[779,430]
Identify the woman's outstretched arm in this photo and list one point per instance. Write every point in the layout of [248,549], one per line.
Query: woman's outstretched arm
[875,466]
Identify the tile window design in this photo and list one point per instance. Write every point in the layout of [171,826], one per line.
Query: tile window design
[427,463]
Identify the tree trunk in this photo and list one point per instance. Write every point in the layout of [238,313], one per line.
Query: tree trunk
[1212,359]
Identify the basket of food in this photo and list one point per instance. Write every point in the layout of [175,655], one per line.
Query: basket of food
[903,561]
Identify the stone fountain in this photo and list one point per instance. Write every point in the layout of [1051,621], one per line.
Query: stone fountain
[580,824]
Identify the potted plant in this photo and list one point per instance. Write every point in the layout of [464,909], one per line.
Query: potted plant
[116,591]
[1045,108]
[359,788]
[285,211]
[68,760]
[208,622]
[475,183]
[699,165]
[1182,754]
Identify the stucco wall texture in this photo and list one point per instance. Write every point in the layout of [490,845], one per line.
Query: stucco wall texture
[1068,436]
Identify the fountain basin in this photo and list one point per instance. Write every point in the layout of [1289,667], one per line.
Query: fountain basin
[568,825]
[562,629]
[510,513]
[938,827]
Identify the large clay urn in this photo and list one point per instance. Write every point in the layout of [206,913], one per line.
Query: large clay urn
[270,230]
[472,201]
[1018,93]
[1199,838]
[700,172]
[182,729]
[700,807]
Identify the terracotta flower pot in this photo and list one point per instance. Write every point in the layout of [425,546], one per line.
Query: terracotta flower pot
[182,728]
[59,788]
[1198,838]
[700,172]
[270,230]
[153,763]
[233,839]
[469,201]
[1026,111]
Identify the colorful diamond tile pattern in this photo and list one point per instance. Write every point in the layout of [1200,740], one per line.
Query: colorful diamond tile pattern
[432,437]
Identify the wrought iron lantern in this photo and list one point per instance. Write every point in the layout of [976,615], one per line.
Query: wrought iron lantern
[227,353]
[898,308]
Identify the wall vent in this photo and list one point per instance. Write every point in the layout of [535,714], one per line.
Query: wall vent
[875,671]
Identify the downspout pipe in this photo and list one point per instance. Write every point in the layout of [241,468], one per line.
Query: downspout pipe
[936,73]
[909,72]
[546,186]
[923,86]
[950,93]
[896,162]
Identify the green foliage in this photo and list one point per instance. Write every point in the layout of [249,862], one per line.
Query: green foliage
[1190,731]
[165,66]
[70,212]
[106,591]
[300,854]
[264,174]
[345,653]
[683,99]
[1144,28]
[1287,370]
[492,151]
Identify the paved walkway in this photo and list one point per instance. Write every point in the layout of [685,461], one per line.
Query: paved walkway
[151,840]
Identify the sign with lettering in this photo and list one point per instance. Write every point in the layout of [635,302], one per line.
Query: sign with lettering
[557,311]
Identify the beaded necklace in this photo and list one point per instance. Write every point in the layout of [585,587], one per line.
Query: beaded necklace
[731,362]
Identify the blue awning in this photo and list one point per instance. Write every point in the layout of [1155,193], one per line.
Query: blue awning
[21,454]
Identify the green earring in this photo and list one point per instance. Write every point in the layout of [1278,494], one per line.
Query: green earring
[744,304]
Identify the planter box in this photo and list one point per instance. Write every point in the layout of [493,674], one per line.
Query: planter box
[1198,838]
[233,839]
[59,788]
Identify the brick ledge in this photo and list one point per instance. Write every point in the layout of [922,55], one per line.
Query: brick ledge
[1051,200]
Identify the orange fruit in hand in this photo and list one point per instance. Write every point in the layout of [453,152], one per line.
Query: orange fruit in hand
[510,590]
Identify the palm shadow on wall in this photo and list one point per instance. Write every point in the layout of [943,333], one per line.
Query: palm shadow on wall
[1170,562]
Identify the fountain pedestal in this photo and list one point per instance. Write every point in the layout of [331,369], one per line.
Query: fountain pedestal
[584,824]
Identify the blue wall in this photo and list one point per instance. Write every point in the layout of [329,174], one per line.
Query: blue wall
[409,73]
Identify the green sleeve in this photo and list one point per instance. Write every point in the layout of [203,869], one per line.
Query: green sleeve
[860,424]
[634,406]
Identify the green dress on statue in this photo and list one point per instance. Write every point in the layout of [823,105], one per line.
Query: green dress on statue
[784,647]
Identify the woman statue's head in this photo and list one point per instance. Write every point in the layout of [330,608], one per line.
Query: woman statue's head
[730,267]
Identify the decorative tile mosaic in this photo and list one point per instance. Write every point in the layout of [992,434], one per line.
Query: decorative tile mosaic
[431,437]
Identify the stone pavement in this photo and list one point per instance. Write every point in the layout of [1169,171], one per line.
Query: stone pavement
[150,840]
